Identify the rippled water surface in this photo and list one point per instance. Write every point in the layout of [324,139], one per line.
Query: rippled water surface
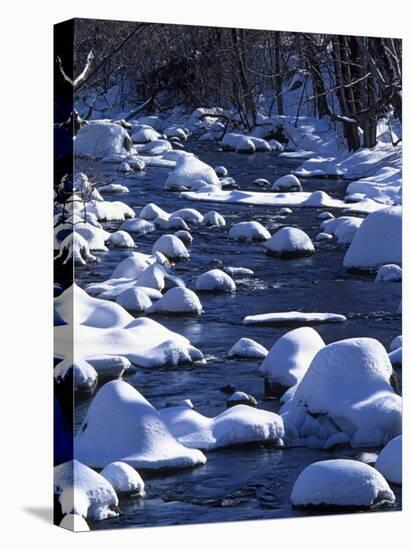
[241,483]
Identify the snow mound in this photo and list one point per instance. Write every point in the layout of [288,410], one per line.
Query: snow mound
[214,219]
[285,211]
[191,173]
[144,134]
[121,425]
[170,223]
[215,280]
[238,271]
[289,358]
[184,236]
[113,188]
[177,300]
[249,231]
[389,461]
[389,273]
[396,343]
[343,228]
[248,348]
[287,183]
[121,239]
[171,246]
[124,479]
[103,328]
[293,317]
[109,211]
[238,425]
[138,225]
[84,492]
[238,143]
[190,215]
[323,237]
[346,395]
[378,241]
[101,139]
[290,242]
[221,171]
[151,211]
[340,482]
[134,299]
[241,398]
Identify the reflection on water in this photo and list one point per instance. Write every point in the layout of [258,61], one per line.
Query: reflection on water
[239,483]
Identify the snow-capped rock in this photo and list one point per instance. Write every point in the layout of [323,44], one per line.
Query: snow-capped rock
[396,343]
[287,183]
[340,483]
[104,328]
[121,239]
[177,300]
[113,188]
[290,242]
[124,479]
[238,143]
[138,225]
[323,237]
[134,299]
[249,231]
[238,271]
[144,134]
[214,219]
[190,215]
[344,228]
[325,216]
[241,398]
[184,236]
[389,273]
[151,211]
[100,139]
[378,241]
[289,358]
[172,223]
[171,246]
[237,425]
[82,491]
[221,171]
[346,396]
[191,173]
[285,211]
[248,349]
[121,425]
[389,461]
[215,280]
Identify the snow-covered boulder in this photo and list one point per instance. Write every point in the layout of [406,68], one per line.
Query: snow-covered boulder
[177,300]
[378,241]
[109,211]
[79,374]
[121,425]
[190,215]
[248,349]
[144,134]
[184,236]
[215,280]
[241,398]
[82,491]
[124,479]
[389,273]
[109,366]
[101,139]
[134,299]
[323,237]
[151,211]
[344,228]
[396,343]
[289,358]
[238,143]
[138,225]
[191,173]
[214,219]
[130,267]
[389,461]
[169,224]
[346,396]
[238,271]
[113,188]
[285,211]
[288,317]
[176,132]
[287,183]
[325,216]
[290,242]
[261,182]
[171,246]
[121,239]
[104,328]
[340,483]
[249,231]
[237,425]
[221,171]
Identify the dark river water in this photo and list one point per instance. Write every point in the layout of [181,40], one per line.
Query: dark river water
[242,483]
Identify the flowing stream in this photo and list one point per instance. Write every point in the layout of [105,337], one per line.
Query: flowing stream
[244,482]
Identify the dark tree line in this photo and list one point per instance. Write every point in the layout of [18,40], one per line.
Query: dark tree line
[353,80]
